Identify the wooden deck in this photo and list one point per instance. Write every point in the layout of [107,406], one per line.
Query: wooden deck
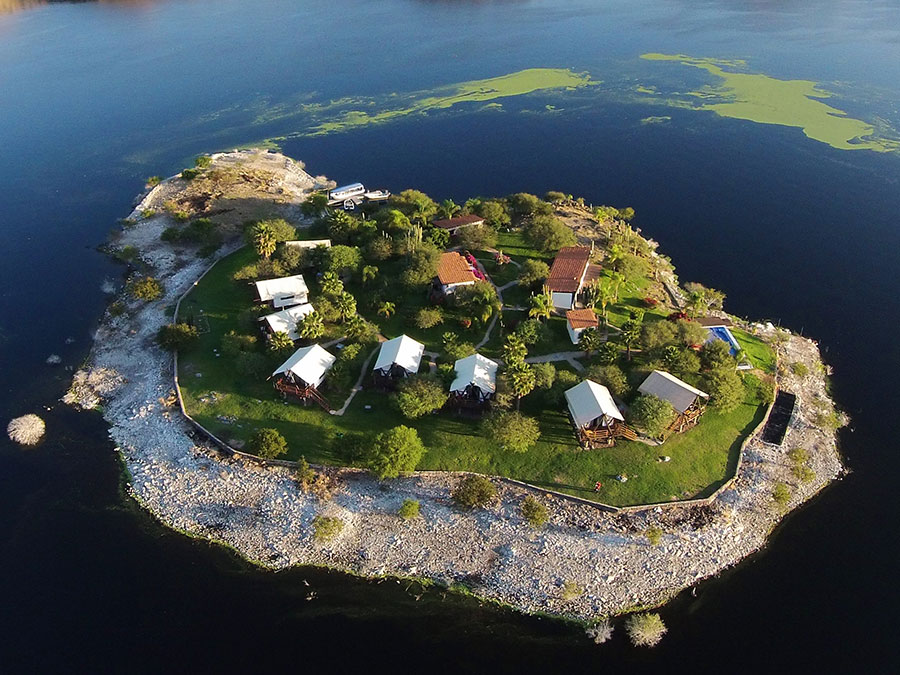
[605,438]
[305,394]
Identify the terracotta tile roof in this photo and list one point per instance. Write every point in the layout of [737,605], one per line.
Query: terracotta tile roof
[458,221]
[582,318]
[567,269]
[454,269]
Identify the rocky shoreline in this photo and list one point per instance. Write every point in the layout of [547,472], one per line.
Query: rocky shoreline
[262,514]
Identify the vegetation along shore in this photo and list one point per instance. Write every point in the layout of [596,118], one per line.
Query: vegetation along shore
[515,397]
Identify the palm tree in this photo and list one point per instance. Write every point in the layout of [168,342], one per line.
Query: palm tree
[521,380]
[331,285]
[387,309]
[346,305]
[280,341]
[369,272]
[616,278]
[264,240]
[631,333]
[590,340]
[311,326]
[448,208]
[514,351]
[541,306]
[614,255]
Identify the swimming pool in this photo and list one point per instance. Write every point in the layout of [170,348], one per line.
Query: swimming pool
[722,333]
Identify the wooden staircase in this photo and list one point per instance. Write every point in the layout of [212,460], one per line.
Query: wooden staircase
[305,394]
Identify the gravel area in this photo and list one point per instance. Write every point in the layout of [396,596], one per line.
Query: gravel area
[261,512]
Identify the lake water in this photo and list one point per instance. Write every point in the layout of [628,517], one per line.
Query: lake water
[95,97]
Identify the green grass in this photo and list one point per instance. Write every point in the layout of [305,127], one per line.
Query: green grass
[758,351]
[515,245]
[701,458]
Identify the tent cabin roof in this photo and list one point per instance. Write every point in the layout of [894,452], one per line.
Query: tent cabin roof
[582,318]
[458,221]
[309,243]
[478,370]
[669,388]
[283,290]
[402,351]
[307,363]
[454,269]
[286,320]
[589,400]
[568,269]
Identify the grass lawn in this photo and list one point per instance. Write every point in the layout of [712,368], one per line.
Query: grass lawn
[758,351]
[515,245]
[234,406]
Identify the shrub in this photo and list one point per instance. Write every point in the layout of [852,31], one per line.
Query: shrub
[650,303]
[203,162]
[654,535]
[555,197]
[532,272]
[474,491]
[280,341]
[190,174]
[174,336]
[544,375]
[429,317]
[314,204]
[534,512]
[26,430]
[418,396]
[798,455]
[533,331]
[153,181]
[268,443]
[148,213]
[409,510]
[512,431]
[116,309]
[651,414]
[803,473]
[600,632]
[799,369]
[478,237]
[145,288]
[570,591]
[128,253]
[725,389]
[547,234]
[645,630]
[379,249]
[326,528]
[396,451]
[438,237]
[781,494]
[305,474]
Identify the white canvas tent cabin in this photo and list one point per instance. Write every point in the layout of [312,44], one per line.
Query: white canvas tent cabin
[595,415]
[283,291]
[286,320]
[397,359]
[688,402]
[475,383]
[308,243]
[303,373]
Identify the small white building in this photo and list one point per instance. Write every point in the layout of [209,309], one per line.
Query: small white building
[578,321]
[476,379]
[398,358]
[286,320]
[306,368]
[592,407]
[567,275]
[283,291]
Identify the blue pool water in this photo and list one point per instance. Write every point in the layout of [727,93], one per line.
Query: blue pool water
[722,333]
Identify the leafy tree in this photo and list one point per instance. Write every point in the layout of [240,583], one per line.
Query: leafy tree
[342,259]
[532,272]
[380,248]
[534,512]
[480,299]
[521,379]
[422,266]
[565,379]
[291,258]
[305,474]
[415,204]
[494,212]
[716,355]
[331,285]
[478,237]
[176,336]
[657,335]
[612,377]
[346,305]
[409,510]
[607,353]
[645,630]
[233,343]
[369,272]
[418,396]
[681,362]
[393,221]
[448,208]
[629,335]
[364,332]
[540,306]
[725,389]
[314,204]
[281,229]
[512,431]
[532,331]
[691,333]
[590,340]
[396,451]
[514,351]
[544,375]
[311,326]
[264,241]
[428,317]
[474,491]
[632,267]
[268,443]
[651,413]
[438,237]
[145,288]
[280,341]
[387,309]
[555,197]
[547,233]
[326,528]
[525,205]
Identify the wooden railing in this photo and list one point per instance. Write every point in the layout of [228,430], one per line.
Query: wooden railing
[303,393]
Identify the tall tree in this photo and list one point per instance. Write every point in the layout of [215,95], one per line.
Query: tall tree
[521,380]
[311,326]
[264,240]
[448,208]
[540,306]
[630,335]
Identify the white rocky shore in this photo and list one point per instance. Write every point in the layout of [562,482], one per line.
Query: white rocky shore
[262,513]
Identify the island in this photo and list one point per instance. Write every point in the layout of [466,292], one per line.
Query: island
[514,397]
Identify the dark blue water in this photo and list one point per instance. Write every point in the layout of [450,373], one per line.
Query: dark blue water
[96,97]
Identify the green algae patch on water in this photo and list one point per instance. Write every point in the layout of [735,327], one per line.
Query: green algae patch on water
[794,103]
[487,91]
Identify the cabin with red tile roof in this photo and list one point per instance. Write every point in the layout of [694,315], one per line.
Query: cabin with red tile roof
[567,275]
[454,271]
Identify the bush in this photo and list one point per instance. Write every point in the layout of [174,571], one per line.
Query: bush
[145,288]
[429,317]
[607,353]
[379,249]
[420,395]
[555,197]
[147,213]
[803,473]
[534,512]
[203,162]
[394,452]
[600,632]
[645,630]
[798,455]
[478,237]
[474,491]
[326,528]
[612,377]
[544,375]
[532,272]
[533,331]
[268,443]
[305,474]
[26,430]
[409,510]
[781,494]
[174,336]
[654,535]
[799,369]
[190,174]
[651,414]
[512,431]
[153,181]
[725,389]
[547,234]
[570,591]
[565,379]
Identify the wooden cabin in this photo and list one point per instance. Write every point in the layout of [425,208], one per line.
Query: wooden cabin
[453,272]
[455,224]
[303,373]
[397,359]
[475,384]
[595,415]
[283,291]
[689,402]
[567,275]
[578,321]
[286,320]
